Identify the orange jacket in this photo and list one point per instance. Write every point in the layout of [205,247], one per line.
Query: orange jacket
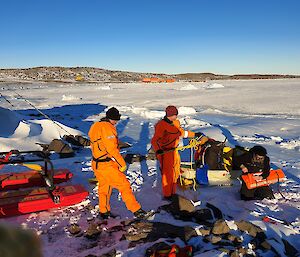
[167,134]
[104,142]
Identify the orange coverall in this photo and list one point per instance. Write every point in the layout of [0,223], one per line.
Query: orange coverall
[166,137]
[105,146]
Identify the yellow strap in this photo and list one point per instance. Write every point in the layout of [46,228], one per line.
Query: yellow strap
[226,149]
[33,166]
[227,161]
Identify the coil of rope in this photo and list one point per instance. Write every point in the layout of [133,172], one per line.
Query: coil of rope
[194,143]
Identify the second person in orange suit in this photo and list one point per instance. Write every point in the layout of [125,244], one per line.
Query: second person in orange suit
[166,138]
[109,165]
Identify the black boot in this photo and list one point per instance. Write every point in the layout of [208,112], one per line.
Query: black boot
[143,215]
[168,198]
[105,215]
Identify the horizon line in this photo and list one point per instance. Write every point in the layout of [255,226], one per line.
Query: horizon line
[162,73]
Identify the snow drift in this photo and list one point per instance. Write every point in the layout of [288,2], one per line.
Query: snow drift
[23,133]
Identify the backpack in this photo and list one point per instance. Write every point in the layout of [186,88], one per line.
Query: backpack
[215,154]
[77,140]
[60,147]
[213,163]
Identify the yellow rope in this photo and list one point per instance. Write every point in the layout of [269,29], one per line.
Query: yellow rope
[194,143]
[194,185]
[183,184]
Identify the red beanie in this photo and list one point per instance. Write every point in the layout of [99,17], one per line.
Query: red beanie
[171,110]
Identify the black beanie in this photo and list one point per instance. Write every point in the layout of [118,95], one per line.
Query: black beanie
[259,150]
[113,114]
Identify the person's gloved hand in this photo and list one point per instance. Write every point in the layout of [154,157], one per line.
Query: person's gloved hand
[159,151]
[244,168]
[123,168]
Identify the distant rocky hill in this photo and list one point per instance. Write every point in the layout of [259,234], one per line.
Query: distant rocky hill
[88,74]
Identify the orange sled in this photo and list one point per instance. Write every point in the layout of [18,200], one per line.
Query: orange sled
[31,178]
[274,177]
[33,200]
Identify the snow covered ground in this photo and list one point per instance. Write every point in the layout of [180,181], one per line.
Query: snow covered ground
[265,112]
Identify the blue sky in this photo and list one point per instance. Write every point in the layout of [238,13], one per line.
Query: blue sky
[171,36]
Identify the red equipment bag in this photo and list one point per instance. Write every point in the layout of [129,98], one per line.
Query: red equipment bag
[274,177]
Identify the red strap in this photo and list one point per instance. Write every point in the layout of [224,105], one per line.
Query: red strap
[5,159]
[174,251]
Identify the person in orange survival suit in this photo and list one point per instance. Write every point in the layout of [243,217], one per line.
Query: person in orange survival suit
[166,138]
[109,165]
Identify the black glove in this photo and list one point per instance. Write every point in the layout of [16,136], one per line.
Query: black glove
[199,134]
[159,151]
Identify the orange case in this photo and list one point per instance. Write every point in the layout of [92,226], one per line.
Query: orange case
[274,177]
